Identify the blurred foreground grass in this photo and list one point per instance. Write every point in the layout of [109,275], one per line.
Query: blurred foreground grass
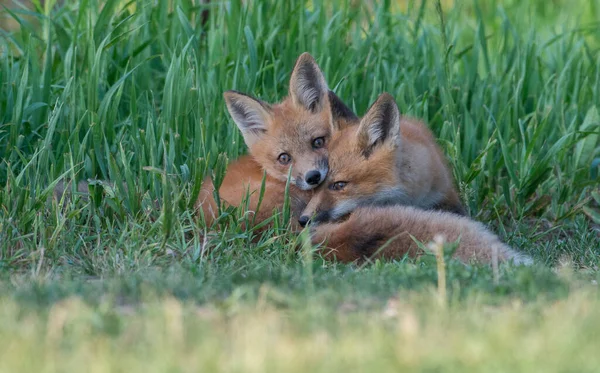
[410,332]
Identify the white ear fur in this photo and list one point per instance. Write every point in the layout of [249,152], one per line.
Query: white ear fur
[381,124]
[249,114]
[308,87]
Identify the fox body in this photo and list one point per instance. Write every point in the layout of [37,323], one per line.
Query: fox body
[294,133]
[385,232]
[377,169]
[385,160]
[244,179]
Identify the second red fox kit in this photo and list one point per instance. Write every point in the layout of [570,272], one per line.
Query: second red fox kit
[385,160]
[375,168]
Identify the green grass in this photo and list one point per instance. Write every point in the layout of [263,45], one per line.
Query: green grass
[132,93]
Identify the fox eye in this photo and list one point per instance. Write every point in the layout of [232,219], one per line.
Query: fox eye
[339,185]
[318,143]
[284,158]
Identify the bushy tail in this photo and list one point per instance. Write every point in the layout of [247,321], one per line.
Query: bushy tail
[392,232]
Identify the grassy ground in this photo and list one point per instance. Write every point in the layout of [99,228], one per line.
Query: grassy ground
[131,92]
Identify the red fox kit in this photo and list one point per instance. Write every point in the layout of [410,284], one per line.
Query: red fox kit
[385,160]
[377,167]
[292,134]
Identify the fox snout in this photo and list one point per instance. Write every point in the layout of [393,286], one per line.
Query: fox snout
[318,218]
[312,178]
[303,220]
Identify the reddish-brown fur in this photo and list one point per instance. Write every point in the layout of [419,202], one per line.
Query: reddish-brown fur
[385,232]
[244,177]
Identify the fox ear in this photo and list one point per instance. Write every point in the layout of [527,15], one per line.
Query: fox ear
[249,114]
[342,116]
[381,124]
[308,87]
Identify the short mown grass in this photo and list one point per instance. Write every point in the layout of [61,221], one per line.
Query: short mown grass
[131,92]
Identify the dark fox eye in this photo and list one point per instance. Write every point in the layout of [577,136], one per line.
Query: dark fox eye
[318,143]
[339,185]
[284,158]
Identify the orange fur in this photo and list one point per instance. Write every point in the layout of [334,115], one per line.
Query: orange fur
[385,232]
[243,179]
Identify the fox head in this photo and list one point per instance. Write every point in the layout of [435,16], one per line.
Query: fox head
[296,132]
[362,161]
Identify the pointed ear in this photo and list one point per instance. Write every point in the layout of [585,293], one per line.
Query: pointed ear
[308,87]
[251,115]
[342,116]
[380,125]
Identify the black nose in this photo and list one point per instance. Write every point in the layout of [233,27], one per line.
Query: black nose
[313,177]
[303,220]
